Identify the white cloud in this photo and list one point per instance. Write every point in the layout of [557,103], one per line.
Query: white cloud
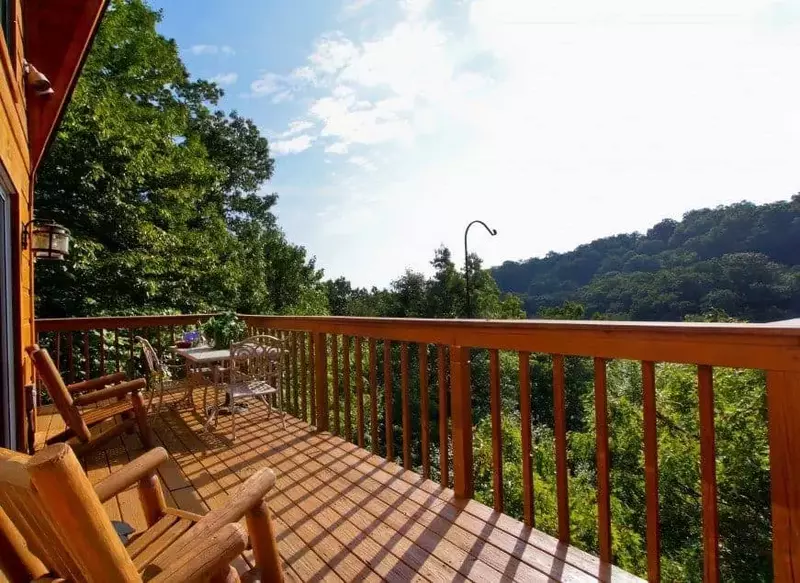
[267,84]
[386,89]
[225,78]
[353,6]
[281,87]
[555,121]
[362,162]
[332,53]
[297,126]
[415,8]
[336,148]
[292,146]
[212,50]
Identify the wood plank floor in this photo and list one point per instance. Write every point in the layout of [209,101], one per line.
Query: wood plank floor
[341,513]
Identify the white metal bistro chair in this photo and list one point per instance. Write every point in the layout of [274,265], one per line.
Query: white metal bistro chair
[163,377]
[255,370]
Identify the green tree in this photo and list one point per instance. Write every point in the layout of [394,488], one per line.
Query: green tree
[162,192]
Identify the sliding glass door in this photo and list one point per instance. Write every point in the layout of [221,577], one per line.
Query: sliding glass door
[7,394]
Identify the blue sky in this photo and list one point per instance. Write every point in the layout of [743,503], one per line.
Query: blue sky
[396,122]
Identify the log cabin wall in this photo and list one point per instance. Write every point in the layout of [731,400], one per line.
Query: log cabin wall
[15,175]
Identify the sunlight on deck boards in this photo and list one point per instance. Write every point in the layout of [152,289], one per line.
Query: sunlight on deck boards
[341,513]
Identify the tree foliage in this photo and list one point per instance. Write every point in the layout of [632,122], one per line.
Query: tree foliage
[162,192]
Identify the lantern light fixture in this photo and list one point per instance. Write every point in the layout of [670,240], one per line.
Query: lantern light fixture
[46,239]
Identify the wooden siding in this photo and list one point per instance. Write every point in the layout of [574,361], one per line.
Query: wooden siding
[341,513]
[61,35]
[15,173]
[58,38]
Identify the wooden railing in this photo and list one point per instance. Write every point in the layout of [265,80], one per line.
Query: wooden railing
[327,385]
[83,348]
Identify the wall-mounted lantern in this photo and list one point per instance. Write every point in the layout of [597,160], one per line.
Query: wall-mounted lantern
[47,239]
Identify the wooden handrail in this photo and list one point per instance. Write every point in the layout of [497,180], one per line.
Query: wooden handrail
[763,346]
[113,322]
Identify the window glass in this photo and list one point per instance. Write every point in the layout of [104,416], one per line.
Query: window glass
[5,20]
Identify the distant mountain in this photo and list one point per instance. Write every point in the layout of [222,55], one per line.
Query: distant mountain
[742,259]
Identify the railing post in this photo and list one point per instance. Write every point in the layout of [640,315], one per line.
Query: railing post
[321,380]
[783,408]
[461,413]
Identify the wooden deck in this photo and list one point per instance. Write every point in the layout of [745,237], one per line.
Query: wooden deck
[341,513]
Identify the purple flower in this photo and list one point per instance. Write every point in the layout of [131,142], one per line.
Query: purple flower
[191,336]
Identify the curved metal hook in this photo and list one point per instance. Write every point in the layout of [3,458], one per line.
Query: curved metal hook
[492,232]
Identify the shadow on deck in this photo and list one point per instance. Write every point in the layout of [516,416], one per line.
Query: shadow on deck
[340,512]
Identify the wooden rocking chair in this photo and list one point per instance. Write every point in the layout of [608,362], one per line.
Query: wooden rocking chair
[53,525]
[128,400]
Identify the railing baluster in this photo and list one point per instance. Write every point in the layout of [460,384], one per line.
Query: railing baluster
[497,429]
[58,351]
[387,399]
[159,346]
[321,380]
[293,364]
[335,375]
[651,470]
[359,392]
[783,410]
[70,358]
[525,420]
[708,473]
[131,367]
[348,433]
[87,368]
[116,348]
[373,394]
[303,377]
[102,351]
[287,368]
[444,467]
[424,410]
[405,405]
[560,427]
[461,414]
[603,460]
[312,394]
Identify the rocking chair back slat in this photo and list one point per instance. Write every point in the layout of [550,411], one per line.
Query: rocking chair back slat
[19,500]
[53,505]
[47,371]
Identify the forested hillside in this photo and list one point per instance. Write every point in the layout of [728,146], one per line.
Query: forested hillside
[741,259]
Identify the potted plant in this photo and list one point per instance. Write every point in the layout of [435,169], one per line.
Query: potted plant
[223,329]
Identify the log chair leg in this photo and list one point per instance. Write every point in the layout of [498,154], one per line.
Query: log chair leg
[265,546]
[229,575]
[125,416]
[152,498]
[141,418]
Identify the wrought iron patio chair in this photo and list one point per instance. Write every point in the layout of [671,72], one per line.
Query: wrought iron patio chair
[164,377]
[255,371]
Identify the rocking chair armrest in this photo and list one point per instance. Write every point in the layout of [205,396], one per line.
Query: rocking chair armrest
[248,497]
[142,467]
[119,390]
[203,558]
[98,383]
